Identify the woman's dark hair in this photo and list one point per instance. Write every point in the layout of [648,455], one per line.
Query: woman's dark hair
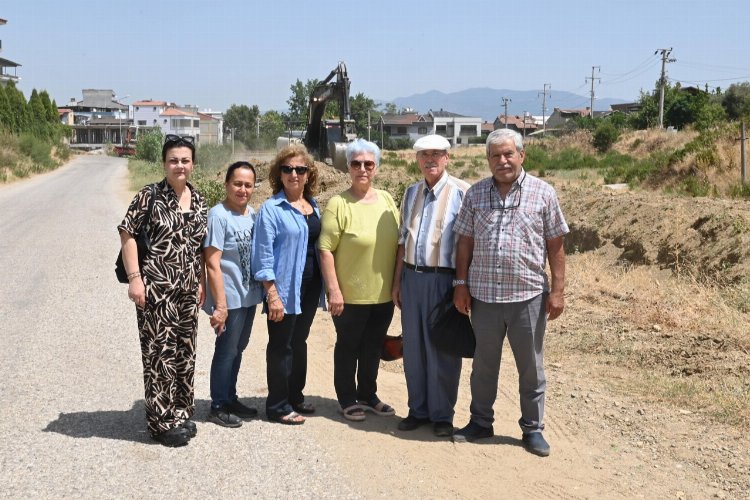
[178,141]
[288,152]
[239,164]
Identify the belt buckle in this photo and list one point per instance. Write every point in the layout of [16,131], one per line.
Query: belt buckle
[418,269]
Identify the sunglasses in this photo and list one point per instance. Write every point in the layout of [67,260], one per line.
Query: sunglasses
[300,170]
[356,165]
[179,138]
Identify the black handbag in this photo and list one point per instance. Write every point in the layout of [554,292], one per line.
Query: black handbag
[451,331]
[141,240]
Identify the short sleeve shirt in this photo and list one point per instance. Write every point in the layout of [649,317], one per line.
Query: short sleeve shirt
[363,238]
[232,233]
[173,261]
[510,250]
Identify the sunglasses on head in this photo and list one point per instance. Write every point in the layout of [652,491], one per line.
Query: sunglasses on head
[368,164]
[300,169]
[179,138]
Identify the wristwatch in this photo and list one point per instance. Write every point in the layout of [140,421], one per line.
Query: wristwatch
[459,282]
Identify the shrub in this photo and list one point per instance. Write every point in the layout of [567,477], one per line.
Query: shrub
[211,189]
[149,146]
[605,135]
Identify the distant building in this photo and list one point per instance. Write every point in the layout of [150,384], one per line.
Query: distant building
[454,127]
[211,128]
[6,65]
[146,113]
[524,125]
[559,117]
[98,119]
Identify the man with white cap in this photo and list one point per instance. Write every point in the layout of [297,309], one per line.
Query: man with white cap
[425,269]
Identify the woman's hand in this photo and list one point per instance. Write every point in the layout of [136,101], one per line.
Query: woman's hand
[218,320]
[275,308]
[201,294]
[137,291]
[335,302]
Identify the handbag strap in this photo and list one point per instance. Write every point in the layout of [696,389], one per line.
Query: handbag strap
[150,208]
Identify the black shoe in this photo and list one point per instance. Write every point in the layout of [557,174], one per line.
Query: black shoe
[472,432]
[411,422]
[224,418]
[534,443]
[190,427]
[304,408]
[442,429]
[241,410]
[172,438]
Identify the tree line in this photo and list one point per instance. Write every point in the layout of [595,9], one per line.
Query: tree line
[37,116]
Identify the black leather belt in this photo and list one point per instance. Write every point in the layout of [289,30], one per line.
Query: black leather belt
[429,269]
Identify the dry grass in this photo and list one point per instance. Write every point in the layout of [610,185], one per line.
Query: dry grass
[681,343]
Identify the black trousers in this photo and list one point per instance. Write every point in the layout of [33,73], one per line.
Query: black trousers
[286,353]
[360,331]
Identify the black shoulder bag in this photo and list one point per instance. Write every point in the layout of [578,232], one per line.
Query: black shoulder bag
[142,242]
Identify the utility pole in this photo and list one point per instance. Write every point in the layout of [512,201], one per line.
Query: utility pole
[663,80]
[544,108]
[368,125]
[506,100]
[524,124]
[743,157]
[257,127]
[592,78]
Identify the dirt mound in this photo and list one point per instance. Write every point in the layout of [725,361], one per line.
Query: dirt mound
[708,238]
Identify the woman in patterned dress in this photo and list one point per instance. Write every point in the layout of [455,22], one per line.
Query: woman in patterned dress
[232,293]
[168,290]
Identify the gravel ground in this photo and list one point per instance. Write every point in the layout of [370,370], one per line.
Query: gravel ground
[72,423]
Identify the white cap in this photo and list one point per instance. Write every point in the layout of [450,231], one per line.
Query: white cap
[432,142]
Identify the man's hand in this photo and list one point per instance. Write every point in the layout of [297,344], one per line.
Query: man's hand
[555,305]
[462,299]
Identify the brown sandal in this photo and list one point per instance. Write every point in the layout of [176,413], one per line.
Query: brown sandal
[354,413]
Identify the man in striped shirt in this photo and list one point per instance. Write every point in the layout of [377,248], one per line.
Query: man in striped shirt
[425,268]
[510,224]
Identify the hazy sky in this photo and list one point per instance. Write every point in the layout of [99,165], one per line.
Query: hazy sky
[216,53]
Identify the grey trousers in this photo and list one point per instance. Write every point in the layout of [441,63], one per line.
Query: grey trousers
[524,324]
[431,375]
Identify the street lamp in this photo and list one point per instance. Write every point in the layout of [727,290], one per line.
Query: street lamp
[117,100]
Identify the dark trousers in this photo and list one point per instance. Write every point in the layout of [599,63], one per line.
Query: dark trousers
[227,359]
[360,331]
[286,354]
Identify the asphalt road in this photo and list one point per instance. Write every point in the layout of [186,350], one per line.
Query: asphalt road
[72,422]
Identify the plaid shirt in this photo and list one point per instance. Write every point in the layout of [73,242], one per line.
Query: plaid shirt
[510,249]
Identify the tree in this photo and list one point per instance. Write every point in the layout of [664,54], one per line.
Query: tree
[390,108]
[360,105]
[299,102]
[736,100]
[605,135]
[52,115]
[271,127]
[243,121]
[6,114]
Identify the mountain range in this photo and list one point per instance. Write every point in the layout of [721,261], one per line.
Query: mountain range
[488,103]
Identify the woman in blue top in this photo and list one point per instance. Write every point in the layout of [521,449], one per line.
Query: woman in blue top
[232,291]
[285,260]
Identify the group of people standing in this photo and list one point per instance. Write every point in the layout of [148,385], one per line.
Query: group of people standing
[483,246]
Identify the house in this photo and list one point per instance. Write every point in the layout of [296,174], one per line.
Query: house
[454,127]
[559,117]
[626,107]
[522,124]
[66,116]
[6,65]
[146,112]
[211,128]
[98,119]
[177,121]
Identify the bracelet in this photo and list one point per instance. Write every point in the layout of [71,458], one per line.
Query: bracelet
[136,274]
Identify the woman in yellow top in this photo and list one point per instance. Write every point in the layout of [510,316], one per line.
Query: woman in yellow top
[358,243]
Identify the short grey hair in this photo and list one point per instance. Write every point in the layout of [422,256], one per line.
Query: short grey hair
[358,146]
[501,135]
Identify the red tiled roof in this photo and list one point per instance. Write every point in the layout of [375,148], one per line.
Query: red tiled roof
[175,112]
[400,119]
[204,116]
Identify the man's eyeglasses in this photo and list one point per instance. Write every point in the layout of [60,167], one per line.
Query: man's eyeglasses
[497,203]
[288,169]
[433,153]
[179,138]
[357,165]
